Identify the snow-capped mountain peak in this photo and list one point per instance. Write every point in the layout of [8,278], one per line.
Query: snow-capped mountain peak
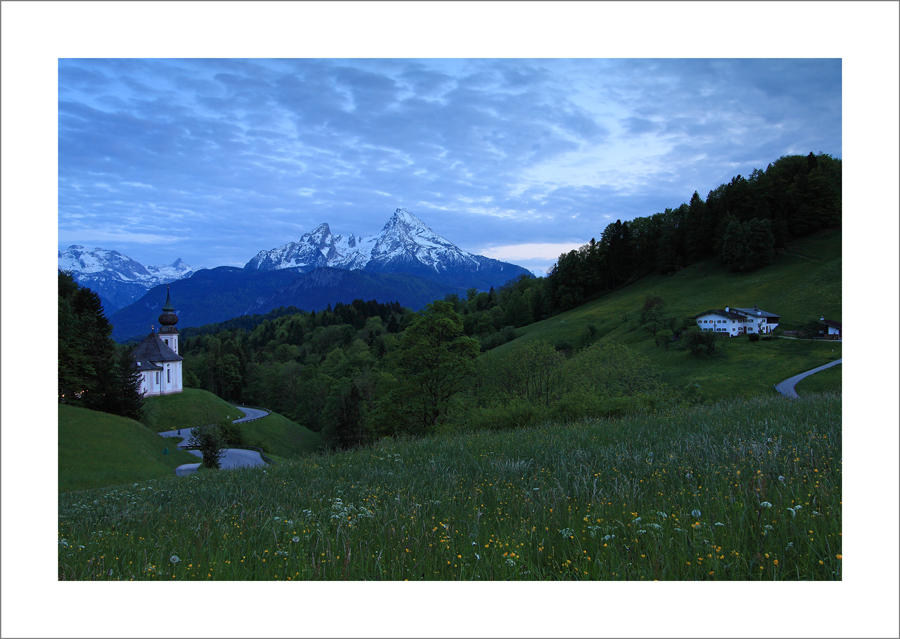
[117,278]
[403,238]
[404,245]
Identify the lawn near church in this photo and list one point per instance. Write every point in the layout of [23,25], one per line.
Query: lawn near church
[746,489]
[98,449]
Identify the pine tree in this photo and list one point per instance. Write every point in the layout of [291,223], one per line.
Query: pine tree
[128,399]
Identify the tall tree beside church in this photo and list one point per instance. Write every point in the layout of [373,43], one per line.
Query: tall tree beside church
[126,399]
[87,373]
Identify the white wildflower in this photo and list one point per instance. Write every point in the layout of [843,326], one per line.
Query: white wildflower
[174,559]
[695,513]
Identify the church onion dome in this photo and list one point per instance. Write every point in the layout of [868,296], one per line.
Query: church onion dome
[168,319]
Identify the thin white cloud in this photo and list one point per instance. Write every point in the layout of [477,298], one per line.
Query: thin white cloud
[529,251]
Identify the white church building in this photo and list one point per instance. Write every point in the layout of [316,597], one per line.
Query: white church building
[157,358]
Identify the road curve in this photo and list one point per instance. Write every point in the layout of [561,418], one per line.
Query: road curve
[786,387]
[231,457]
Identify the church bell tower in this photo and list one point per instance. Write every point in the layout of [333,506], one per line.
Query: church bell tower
[167,322]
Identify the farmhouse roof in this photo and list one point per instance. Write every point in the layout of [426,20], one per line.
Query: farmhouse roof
[756,311]
[153,350]
[832,323]
[718,311]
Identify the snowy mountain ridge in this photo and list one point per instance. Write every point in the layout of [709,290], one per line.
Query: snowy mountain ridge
[118,279]
[82,261]
[404,240]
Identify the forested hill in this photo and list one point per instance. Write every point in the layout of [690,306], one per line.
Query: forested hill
[743,222]
[224,293]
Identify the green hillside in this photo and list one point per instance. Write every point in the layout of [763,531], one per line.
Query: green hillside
[277,435]
[98,449]
[192,407]
[802,283]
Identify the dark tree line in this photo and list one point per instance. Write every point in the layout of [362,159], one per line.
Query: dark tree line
[92,371]
[743,222]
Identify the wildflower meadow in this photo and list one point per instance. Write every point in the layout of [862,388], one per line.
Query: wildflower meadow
[745,489]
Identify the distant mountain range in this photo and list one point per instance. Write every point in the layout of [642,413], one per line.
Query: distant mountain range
[405,262]
[116,278]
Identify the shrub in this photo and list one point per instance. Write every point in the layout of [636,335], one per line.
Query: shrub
[211,442]
[701,343]
[753,337]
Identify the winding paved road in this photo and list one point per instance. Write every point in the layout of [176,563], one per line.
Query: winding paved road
[231,457]
[786,387]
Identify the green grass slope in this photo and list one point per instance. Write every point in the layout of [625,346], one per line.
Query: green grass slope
[803,282]
[277,435]
[98,449]
[827,380]
[192,407]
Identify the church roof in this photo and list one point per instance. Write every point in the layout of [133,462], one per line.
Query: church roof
[153,350]
[144,365]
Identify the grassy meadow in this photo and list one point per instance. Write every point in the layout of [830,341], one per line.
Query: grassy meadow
[745,489]
[98,449]
[189,408]
[280,437]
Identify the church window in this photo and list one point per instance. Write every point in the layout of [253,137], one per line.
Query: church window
[168,374]
[157,377]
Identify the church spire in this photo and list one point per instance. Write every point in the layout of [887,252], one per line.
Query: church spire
[168,319]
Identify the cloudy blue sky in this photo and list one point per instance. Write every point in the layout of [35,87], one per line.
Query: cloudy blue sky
[213,160]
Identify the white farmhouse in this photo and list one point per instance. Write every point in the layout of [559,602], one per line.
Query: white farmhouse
[157,357]
[834,330]
[738,321]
